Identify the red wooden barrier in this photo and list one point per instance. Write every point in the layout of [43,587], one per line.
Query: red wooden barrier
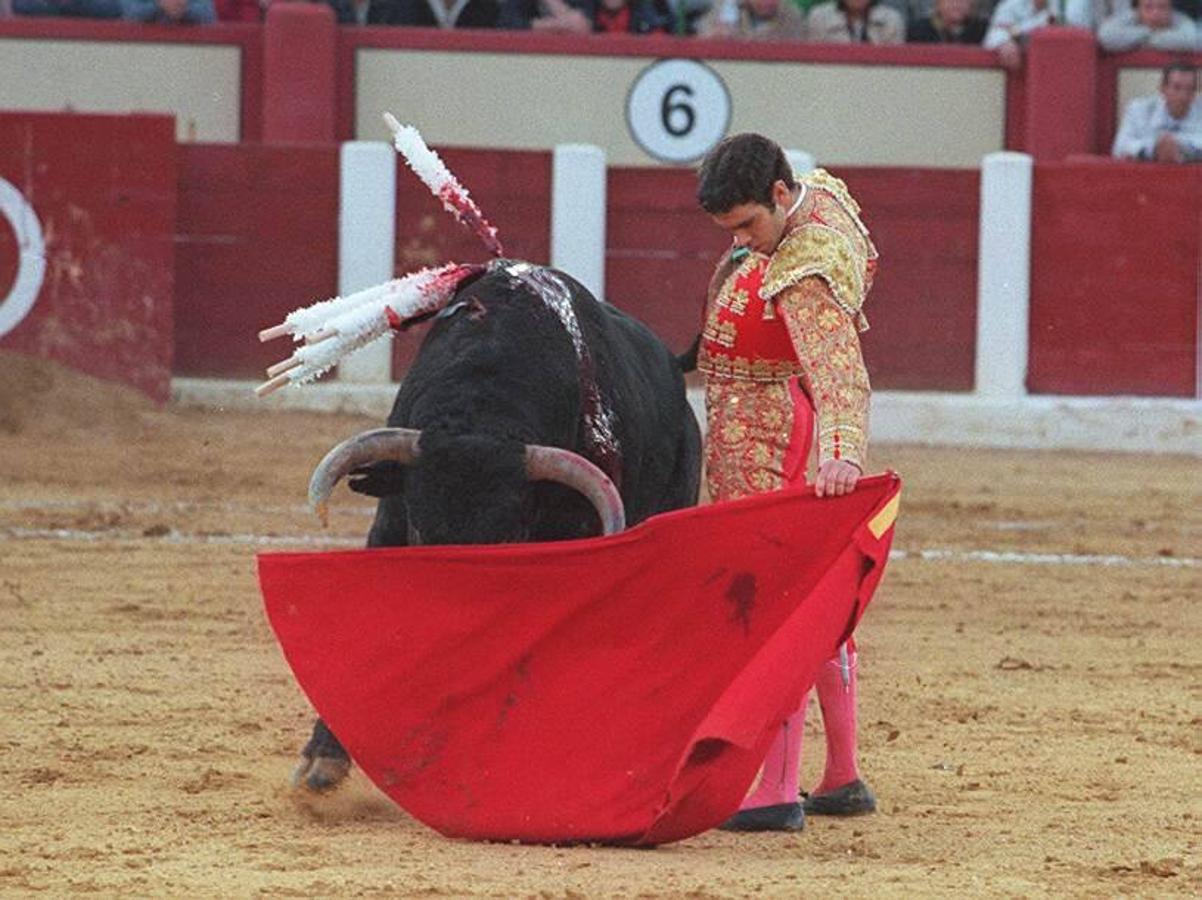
[1114,281]
[662,248]
[299,83]
[103,189]
[258,237]
[923,306]
[1061,80]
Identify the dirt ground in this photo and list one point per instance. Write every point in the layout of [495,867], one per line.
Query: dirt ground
[1031,708]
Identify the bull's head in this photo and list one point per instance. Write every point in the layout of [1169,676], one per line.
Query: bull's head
[401,446]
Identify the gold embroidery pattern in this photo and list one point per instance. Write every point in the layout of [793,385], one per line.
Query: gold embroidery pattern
[716,329]
[819,250]
[749,427]
[836,248]
[736,301]
[834,373]
[746,369]
[721,333]
[837,188]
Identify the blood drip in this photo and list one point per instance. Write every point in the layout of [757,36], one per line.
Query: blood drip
[462,206]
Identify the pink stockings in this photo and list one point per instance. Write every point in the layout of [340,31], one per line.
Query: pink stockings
[779,780]
[781,772]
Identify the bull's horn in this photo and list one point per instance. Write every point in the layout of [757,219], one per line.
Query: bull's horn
[576,472]
[395,444]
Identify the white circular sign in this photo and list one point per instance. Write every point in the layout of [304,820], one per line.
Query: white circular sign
[677,110]
[31,258]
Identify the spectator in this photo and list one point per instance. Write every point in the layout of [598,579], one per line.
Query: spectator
[77,9]
[1104,9]
[358,12]
[856,22]
[951,22]
[632,17]
[914,10]
[239,10]
[686,14]
[761,20]
[169,12]
[1014,20]
[421,13]
[564,16]
[1165,127]
[804,6]
[1152,23]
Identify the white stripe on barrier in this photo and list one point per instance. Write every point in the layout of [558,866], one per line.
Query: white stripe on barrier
[934,554]
[178,537]
[1094,424]
[1016,557]
[153,507]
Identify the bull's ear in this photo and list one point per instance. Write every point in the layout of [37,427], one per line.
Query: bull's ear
[379,479]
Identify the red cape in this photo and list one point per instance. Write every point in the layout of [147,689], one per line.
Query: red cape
[620,690]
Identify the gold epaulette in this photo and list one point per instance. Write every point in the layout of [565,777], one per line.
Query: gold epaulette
[831,255]
[825,181]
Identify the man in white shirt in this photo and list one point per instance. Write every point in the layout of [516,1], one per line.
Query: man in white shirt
[1150,23]
[1164,127]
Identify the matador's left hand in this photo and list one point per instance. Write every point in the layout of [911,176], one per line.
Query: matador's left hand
[836,477]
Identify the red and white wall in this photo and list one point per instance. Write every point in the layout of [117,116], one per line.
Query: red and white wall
[995,324]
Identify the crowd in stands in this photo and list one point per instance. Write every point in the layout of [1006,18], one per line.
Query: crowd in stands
[1000,25]
[1164,127]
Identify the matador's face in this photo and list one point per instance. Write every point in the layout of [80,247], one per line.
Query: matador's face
[756,226]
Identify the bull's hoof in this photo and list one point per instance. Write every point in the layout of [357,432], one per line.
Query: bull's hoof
[780,817]
[320,774]
[852,799]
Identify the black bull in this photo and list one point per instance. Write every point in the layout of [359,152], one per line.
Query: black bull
[522,356]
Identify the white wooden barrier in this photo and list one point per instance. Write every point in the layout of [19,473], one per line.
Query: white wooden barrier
[366,242]
[578,201]
[1004,276]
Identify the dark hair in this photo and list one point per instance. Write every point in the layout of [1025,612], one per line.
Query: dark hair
[1177,66]
[742,169]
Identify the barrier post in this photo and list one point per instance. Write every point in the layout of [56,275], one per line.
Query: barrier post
[1004,276]
[578,214]
[366,242]
[1061,93]
[300,43]
[802,161]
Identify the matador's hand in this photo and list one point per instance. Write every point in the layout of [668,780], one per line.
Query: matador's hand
[836,477]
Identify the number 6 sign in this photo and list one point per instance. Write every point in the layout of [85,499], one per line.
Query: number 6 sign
[677,110]
[31,264]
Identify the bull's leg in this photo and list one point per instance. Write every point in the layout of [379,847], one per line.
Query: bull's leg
[324,762]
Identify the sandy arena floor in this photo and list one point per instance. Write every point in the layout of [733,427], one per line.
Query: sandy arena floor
[1032,724]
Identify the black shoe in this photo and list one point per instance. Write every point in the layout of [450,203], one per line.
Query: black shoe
[852,799]
[781,817]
